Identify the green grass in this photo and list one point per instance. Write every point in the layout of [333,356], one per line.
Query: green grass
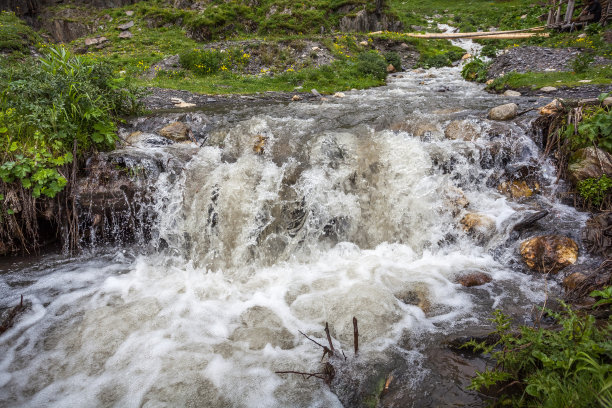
[469,15]
[341,75]
[536,80]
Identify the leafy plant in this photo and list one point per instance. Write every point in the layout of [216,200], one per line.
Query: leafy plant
[394,59]
[475,70]
[566,366]
[605,295]
[594,190]
[372,63]
[594,129]
[50,109]
[582,62]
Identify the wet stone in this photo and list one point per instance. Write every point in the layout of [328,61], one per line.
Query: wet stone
[474,279]
[549,253]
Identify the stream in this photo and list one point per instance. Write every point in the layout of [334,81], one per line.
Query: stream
[286,217]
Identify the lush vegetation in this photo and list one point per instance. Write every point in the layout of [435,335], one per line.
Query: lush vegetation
[567,365]
[50,111]
[475,70]
[595,128]
[594,190]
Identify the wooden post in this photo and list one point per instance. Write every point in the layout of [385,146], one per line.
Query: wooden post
[558,16]
[331,345]
[571,4]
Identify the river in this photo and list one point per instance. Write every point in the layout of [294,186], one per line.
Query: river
[350,207]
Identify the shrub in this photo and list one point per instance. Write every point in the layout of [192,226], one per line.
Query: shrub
[394,59]
[594,129]
[489,50]
[594,190]
[373,64]
[582,62]
[566,366]
[50,109]
[209,62]
[475,70]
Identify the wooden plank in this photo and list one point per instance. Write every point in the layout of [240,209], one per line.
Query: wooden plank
[570,11]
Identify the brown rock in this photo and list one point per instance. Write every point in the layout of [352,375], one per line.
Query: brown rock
[517,189]
[474,279]
[177,131]
[590,162]
[553,107]
[296,98]
[549,253]
[504,112]
[390,68]
[259,144]
[466,56]
[574,280]
[462,129]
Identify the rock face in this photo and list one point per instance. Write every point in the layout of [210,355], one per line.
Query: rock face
[504,112]
[590,162]
[549,253]
[177,131]
[462,129]
[474,279]
[366,22]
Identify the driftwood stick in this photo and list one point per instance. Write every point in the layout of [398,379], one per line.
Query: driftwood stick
[326,350]
[329,340]
[320,376]
[355,335]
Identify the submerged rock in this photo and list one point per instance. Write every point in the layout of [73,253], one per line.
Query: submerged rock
[504,112]
[590,162]
[549,253]
[474,279]
[517,189]
[480,226]
[462,129]
[177,131]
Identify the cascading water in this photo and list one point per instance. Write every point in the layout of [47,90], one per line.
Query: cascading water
[352,208]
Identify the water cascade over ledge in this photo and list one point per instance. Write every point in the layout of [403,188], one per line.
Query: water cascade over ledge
[282,218]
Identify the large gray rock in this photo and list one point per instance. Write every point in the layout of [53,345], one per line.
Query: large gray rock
[504,112]
[590,162]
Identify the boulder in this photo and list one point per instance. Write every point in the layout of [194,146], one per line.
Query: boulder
[548,89]
[504,112]
[474,279]
[339,95]
[390,68]
[590,162]
[126,35]
[466,56]
[462,129]
[512,93]
[296,98]
[549,253]
[177,131]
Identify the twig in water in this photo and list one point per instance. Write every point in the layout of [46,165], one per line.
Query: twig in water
[306,376]
[355,335]
[331,345]
[326,350]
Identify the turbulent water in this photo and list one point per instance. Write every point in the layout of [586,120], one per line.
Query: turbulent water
[351,210]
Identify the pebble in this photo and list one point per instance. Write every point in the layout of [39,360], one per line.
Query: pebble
[548,89]
[512,93]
